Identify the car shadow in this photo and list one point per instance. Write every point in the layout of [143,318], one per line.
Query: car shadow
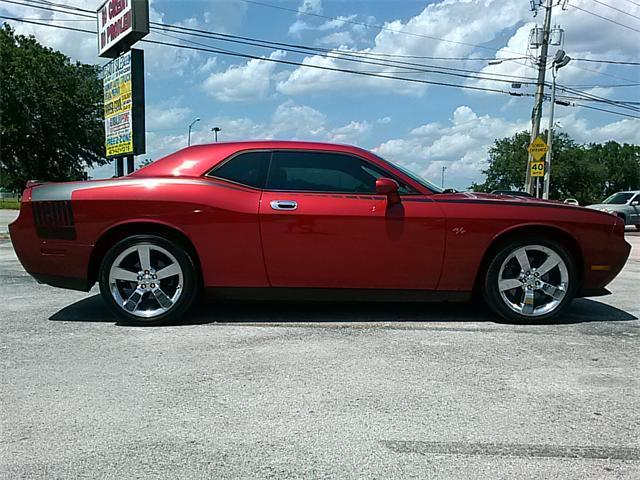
[93,309]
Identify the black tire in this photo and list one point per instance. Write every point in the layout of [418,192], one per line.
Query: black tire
[185,300]
[491,292]
[638,227]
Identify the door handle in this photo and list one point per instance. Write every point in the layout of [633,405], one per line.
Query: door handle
[284,205]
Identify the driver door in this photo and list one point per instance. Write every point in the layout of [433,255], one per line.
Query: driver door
[323,226]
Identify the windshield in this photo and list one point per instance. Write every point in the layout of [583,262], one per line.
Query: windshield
[414,176]
[619,198]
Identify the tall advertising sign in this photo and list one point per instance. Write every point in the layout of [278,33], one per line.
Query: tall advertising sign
[121,23]
[123,82]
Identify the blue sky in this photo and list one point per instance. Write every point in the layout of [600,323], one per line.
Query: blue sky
[422,127]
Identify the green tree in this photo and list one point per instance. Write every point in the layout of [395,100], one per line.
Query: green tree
[588,173]
[50,113]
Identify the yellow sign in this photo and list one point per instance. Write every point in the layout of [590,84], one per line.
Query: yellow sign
[118,106]
[538,148]
[537,169]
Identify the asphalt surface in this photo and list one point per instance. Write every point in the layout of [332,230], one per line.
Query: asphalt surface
[287,390]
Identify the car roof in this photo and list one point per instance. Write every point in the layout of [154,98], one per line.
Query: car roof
[196,160]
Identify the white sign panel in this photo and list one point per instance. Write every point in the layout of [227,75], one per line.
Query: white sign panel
[120,24]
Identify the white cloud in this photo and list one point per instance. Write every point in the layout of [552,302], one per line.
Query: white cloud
[243,82]
[310,6]
[585,36]
[159,61]
[77,45]
[461,146]
[337,39]
[299,120]
[165,115]
[224,15]
[353,132]
[456,20]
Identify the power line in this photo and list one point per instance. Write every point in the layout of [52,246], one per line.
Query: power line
[280,61]
[611,85]
[597,72]
[583,96]
[341,55]
[604,18]
[620,102]
[207,48]
[616,9]
[327,53]
[381,27]
[49,6]
[596,98]
[613,62]
[604,110]
[632,2]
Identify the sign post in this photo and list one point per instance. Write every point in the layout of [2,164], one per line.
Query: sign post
[121,23]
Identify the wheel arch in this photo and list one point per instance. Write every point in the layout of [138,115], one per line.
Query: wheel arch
[117,232]
[551,232]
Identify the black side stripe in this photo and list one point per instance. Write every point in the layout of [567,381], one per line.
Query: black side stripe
[507,204]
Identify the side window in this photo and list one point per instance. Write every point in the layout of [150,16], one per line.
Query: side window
[248,168]
[322,172]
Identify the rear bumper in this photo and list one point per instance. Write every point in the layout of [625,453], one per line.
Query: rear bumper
[70,283]
[60,263]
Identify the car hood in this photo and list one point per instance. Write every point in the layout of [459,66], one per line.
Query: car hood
[500,199]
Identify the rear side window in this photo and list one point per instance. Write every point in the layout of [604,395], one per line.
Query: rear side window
[322,172]
[247,168]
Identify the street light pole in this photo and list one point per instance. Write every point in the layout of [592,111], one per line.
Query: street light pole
[559,61]
[215,131]
[442,178]
[190,126]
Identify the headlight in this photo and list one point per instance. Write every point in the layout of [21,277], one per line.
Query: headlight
[605,210]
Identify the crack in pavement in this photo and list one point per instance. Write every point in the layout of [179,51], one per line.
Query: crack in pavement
[514,450]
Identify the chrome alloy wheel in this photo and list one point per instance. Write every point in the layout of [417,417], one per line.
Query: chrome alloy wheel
[146,280]
[533,280]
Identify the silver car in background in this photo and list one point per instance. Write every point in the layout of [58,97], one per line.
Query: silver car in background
[626,205]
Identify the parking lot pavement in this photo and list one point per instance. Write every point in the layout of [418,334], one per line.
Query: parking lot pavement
[317,391]
[6,217]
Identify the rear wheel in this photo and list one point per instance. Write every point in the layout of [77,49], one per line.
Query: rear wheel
[148,280]
[530,280]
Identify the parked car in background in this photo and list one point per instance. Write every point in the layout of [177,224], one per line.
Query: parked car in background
[625,205]
[308,220]
[572,201]
[515,193]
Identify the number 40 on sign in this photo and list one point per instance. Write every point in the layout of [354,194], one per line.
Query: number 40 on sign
[537,169]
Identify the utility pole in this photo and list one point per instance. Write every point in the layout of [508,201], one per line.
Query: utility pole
[442,178]
[536,113]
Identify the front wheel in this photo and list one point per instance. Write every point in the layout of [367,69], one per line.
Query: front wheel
[530,280]
[148,280]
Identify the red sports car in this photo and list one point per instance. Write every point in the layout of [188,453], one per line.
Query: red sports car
[308,220]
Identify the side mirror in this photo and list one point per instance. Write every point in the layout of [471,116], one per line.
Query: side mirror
[388,187]
[635,203]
